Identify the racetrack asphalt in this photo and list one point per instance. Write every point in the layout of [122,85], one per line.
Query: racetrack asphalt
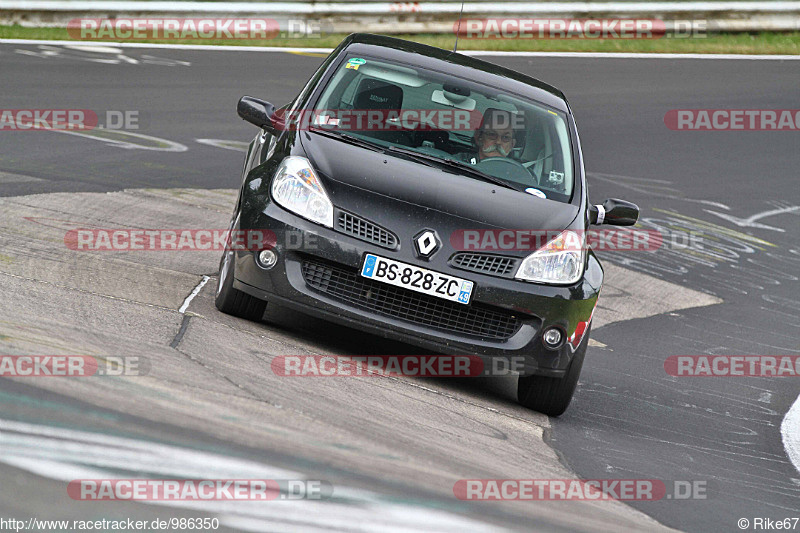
[629,418]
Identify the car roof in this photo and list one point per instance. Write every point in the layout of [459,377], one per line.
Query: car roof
[454,63]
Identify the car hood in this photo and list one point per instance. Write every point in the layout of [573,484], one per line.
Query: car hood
[392,190]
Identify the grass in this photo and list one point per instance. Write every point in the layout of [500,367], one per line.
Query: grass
[721,43]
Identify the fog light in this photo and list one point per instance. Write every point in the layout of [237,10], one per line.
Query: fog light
[266,259]
[552,337]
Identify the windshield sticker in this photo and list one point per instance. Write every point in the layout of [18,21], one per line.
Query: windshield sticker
[556,178]
[326,120]
[536,192]
[355,62]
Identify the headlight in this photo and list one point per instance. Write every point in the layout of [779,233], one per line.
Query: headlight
[297,188]
[560,261]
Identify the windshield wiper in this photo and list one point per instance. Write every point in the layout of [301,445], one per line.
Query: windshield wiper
[356,141]
[425,159]
[350,139]
[455,165]
[430,160]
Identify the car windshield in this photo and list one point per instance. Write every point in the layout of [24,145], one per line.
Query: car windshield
[478,129]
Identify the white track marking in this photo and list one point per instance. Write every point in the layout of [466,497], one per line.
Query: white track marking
[124,140]
[750,222]
[66,455]
[194,293]
[96,49]
[790,432]
[238,146]
[599,55]
[630,55]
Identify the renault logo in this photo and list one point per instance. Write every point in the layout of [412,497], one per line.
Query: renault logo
[426,243]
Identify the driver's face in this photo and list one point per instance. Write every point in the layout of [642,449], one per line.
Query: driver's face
[495,142]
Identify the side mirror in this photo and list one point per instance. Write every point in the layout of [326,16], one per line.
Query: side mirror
[258,112]
[614,212]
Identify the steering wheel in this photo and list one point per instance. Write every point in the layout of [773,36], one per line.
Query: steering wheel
[506,168]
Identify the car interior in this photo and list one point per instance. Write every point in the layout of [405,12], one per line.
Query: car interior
[538,158]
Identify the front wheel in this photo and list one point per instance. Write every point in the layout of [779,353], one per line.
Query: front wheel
[233,301]
[549,395]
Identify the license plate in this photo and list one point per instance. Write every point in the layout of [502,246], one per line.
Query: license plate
[417,279]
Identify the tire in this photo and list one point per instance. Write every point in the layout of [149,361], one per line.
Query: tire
[548,395]
[233,301]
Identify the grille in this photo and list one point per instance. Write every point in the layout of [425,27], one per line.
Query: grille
[496,265]
[344,284]
[365,230]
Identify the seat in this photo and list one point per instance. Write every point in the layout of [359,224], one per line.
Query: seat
[372,94]
[377,94]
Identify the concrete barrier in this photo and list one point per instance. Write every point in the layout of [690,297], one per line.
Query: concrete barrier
[412,17]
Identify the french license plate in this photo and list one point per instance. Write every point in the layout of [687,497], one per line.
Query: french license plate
[417,279]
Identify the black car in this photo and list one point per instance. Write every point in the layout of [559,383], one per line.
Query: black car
[428,197]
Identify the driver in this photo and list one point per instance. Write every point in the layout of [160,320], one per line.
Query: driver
[494,137]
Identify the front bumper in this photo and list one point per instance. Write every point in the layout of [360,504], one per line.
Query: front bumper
[530,307]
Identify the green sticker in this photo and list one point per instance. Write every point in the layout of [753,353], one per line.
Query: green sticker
[356,61]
